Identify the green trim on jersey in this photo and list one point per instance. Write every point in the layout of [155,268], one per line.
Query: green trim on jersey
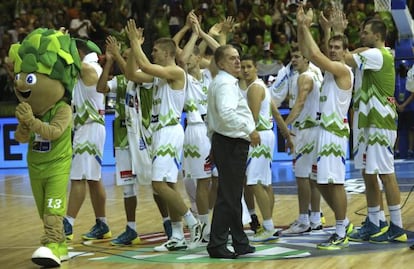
[308,122]
[120,130]
[334,124]
[88,111]
[376,108]
[145,96]
[166,120]
[264,123]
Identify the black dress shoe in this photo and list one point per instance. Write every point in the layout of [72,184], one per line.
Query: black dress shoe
[221,253]
[245,250]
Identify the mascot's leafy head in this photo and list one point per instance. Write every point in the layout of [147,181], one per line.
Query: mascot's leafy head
[49,52]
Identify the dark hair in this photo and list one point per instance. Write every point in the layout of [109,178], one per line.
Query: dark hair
[341,38]
[220,52]
[248,57]
[81,45]
[87,46]
[378,27]
[294,47]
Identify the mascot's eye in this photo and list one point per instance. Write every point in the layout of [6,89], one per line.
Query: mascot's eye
[31,79]
[17,77]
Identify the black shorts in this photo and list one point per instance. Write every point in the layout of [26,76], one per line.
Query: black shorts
[406,120]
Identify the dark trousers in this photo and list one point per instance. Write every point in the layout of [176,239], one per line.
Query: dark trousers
[230,156]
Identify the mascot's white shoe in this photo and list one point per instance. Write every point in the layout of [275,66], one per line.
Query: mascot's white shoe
[46,256]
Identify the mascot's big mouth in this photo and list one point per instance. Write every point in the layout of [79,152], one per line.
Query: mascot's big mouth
[25,94]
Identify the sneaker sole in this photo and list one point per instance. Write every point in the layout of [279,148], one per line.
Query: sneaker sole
[399,239]
[357,239]
[268,240]
[105,236]
[307,232]
[46,262]
[136,241]
[167,250]
[331,247]
[69,237]
[319,228]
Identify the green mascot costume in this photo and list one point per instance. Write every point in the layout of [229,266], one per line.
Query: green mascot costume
[46,65]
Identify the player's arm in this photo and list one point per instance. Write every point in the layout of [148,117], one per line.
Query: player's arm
[305,86]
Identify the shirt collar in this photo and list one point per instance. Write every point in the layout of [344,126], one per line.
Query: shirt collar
[90,58]
[229,76]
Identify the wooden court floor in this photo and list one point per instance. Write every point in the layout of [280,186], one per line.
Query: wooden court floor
[20,230]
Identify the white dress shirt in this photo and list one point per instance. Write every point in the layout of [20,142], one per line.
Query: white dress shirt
[228,113]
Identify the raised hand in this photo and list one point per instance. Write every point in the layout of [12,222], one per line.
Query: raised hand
[303,18]
[324,22]
[112,47]
[188,22]
[338,21]
[215,29]
[228,24]
[133,33]
[195,24]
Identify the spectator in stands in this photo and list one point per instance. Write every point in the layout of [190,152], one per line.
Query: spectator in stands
[160,24]
[256,50]
[80,26]
[281,49]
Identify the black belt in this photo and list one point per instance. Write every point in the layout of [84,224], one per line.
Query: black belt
[232,139]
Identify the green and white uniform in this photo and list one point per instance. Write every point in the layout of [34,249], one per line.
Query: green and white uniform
[333,132]
[305,129]
[123,165]
[259,159]
[376,109]
[138,103]
[196,142]
[89,124]
[168,133]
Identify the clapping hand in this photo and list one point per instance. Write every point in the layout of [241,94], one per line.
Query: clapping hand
[303,18]
[24,113]
[134,33]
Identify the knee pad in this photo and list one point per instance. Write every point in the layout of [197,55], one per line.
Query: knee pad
[130,190]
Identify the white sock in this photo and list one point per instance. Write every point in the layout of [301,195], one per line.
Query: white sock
[374,215]
[268,225]
[71,220]
[395,215]
[304,219]
[132,225]
[103,219]
[190,219]
[382,216]
[205,219]
[315,217]
[177,230]
[340,228]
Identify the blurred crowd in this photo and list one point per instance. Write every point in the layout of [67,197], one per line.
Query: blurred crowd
[263,28]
